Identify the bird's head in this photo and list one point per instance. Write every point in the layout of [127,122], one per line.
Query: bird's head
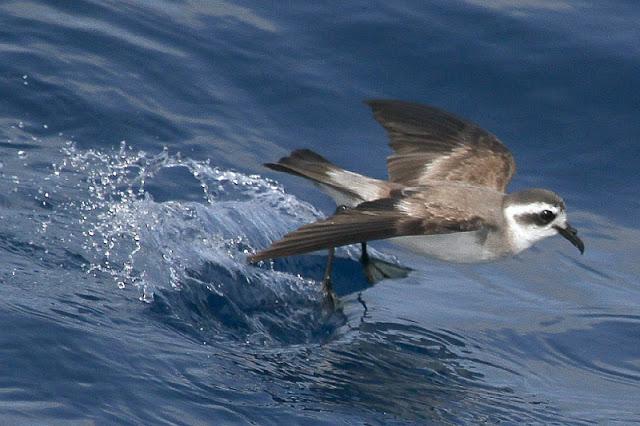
[535,214]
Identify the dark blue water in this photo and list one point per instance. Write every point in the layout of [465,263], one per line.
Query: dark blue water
[131,188]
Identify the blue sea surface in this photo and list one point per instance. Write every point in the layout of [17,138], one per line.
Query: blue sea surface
[132,137]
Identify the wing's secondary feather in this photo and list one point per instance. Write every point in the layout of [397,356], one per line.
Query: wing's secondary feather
[374,220]
[433,145]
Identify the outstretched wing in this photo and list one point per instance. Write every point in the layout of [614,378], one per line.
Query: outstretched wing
[433,145]
[372,220]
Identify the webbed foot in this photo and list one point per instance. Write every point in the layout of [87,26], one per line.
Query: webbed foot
[377,270]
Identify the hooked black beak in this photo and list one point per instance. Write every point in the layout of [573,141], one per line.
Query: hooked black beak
[571,234]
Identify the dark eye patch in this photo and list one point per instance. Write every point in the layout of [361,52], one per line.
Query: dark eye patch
[539,219]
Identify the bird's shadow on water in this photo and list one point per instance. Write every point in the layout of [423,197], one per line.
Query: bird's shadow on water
[258,304]
[340,359]
[214,301]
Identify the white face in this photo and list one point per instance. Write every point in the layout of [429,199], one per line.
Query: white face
[530,223]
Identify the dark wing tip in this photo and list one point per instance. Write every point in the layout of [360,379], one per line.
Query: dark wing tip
[377,104]
[297,161]
[278,167]
[305,154]
[300,155]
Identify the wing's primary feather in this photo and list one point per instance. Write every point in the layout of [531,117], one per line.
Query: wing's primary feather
[372,220]
[433,145]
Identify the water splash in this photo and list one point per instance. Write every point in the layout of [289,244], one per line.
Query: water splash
[161,223]
[125,225]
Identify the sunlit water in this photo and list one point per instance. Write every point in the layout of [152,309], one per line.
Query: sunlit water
[131,191]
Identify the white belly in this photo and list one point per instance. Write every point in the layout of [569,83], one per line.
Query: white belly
[464,247]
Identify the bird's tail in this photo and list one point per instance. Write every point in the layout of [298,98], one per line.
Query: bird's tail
[345,187]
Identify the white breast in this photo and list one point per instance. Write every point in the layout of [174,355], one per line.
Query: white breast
[464,247]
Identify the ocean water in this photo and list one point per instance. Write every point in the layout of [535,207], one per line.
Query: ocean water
[132,135]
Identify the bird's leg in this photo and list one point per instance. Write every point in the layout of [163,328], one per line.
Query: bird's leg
[364,256]
[376,270]
[327,285]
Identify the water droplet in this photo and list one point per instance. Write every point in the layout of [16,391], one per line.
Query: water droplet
[147,295]
[22,154]
[21,124]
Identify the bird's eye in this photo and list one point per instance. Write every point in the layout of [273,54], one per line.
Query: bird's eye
[547,215]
